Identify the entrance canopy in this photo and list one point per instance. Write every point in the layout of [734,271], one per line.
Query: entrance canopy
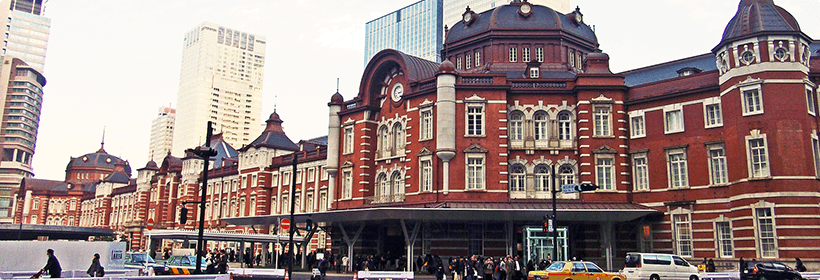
[33,231]
[461,211]
[219,236]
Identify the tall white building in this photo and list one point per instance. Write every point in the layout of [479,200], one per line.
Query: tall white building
[453,9]
[162,134]
[220,81]
[26,31]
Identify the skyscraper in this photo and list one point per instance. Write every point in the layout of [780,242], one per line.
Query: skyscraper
[162,134]
[418,29]
[26,31]
[21,92]
[220,81]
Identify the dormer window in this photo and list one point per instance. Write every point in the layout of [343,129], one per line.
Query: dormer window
[534,73]
[513,54]
[747,56]
[780,52]
[688,71]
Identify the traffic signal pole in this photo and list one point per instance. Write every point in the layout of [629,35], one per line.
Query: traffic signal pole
[292,228]
[205,152]
[554,214]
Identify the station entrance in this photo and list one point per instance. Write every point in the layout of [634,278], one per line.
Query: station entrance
[539,244]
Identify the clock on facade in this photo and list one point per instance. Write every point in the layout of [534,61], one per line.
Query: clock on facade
[397,92]
[468,17]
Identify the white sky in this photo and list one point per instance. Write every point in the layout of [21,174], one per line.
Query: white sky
[112,64]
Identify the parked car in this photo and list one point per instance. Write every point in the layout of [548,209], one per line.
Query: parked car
[141,261]
[769,270]
[180,265]
[652,266]
[575,270]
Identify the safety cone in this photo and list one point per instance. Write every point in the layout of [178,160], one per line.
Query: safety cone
[355,275]
[286,275]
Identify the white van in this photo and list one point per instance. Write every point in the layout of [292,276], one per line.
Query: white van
[652,266]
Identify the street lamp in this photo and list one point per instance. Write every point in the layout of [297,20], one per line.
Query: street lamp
[205,152]
[569,188]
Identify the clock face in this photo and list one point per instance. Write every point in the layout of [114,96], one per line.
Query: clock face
[398,91]
[468,17]
[525,9]
[780,54]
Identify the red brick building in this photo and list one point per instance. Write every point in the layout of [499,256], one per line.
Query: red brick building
[692,157]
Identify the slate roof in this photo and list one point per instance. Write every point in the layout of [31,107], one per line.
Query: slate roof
[98,159]
[757,16]
[507,17]
[222,148]
[273,136]
[667,70]
[117,177]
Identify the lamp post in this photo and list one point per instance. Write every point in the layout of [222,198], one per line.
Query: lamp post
[554,214]
[205,152]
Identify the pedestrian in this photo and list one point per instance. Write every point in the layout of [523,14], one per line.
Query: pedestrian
[259,258]
[439,270]
[167,254]
[799,265]
[53,265]
[323,266]
[95,270]
[345,261]
[742,266]
[710,265]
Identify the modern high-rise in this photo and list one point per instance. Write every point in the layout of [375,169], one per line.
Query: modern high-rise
[26,31]
[220,81]
[162,134]
[418,29]
[21,94]
[453,9]
[22,97]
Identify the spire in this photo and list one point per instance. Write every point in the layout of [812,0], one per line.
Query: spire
[102,143]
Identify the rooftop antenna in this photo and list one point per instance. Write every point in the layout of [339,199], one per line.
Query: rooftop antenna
[337,84]
[275,96]
[102,143]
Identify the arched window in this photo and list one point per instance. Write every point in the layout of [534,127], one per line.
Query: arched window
[384,185]
[398,138]
[564,126]
[384,139]
[542,178]
[517,177]
[567,175]
[516,126]
[540,125]
[398,183]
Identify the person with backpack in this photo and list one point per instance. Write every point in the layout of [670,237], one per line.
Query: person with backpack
[95,270]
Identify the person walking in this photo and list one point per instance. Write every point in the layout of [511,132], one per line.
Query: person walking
[95,270]
[53,265]
[799,265]
[345,261]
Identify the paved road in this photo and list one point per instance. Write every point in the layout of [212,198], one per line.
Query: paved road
[298,275]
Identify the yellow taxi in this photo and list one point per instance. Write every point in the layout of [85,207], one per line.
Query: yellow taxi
[574,270]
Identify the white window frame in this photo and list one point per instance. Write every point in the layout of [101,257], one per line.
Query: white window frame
[458,63]
[566,128]
[815,148]
[539,54]
[398,141]
[426,123]
[516,126]
[525,54]
[758,165]
[535,73]
[755,93]
[311,174]
[605,171]
[718,164]
[479,131]
[712,113]
[724,239]
[677,165]
[274,180]
[765,231]
[477,58]
[286,178]
[673,119]
[640,171]
[513,55]
[637,124]
[518,178]
[683,234]
[602,120]
[567,178]
[541,126]
[426,173]
[348,139]
[543,181]
[811,100]
[468,61]
[324,174]
[476,170]
[347,183]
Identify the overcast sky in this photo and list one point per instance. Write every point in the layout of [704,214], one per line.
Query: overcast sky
[112,64]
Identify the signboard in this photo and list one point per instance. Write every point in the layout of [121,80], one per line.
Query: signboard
[150,224]
[285,224]
[571,188]
[550,227]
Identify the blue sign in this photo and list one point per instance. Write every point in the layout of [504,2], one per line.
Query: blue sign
[571,188]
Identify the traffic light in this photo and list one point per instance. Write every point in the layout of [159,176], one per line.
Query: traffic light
[546,227]
[183,215]
[309,224]
[587,187]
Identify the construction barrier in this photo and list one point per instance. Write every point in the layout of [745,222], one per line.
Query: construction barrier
[257,273]
[384,275]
